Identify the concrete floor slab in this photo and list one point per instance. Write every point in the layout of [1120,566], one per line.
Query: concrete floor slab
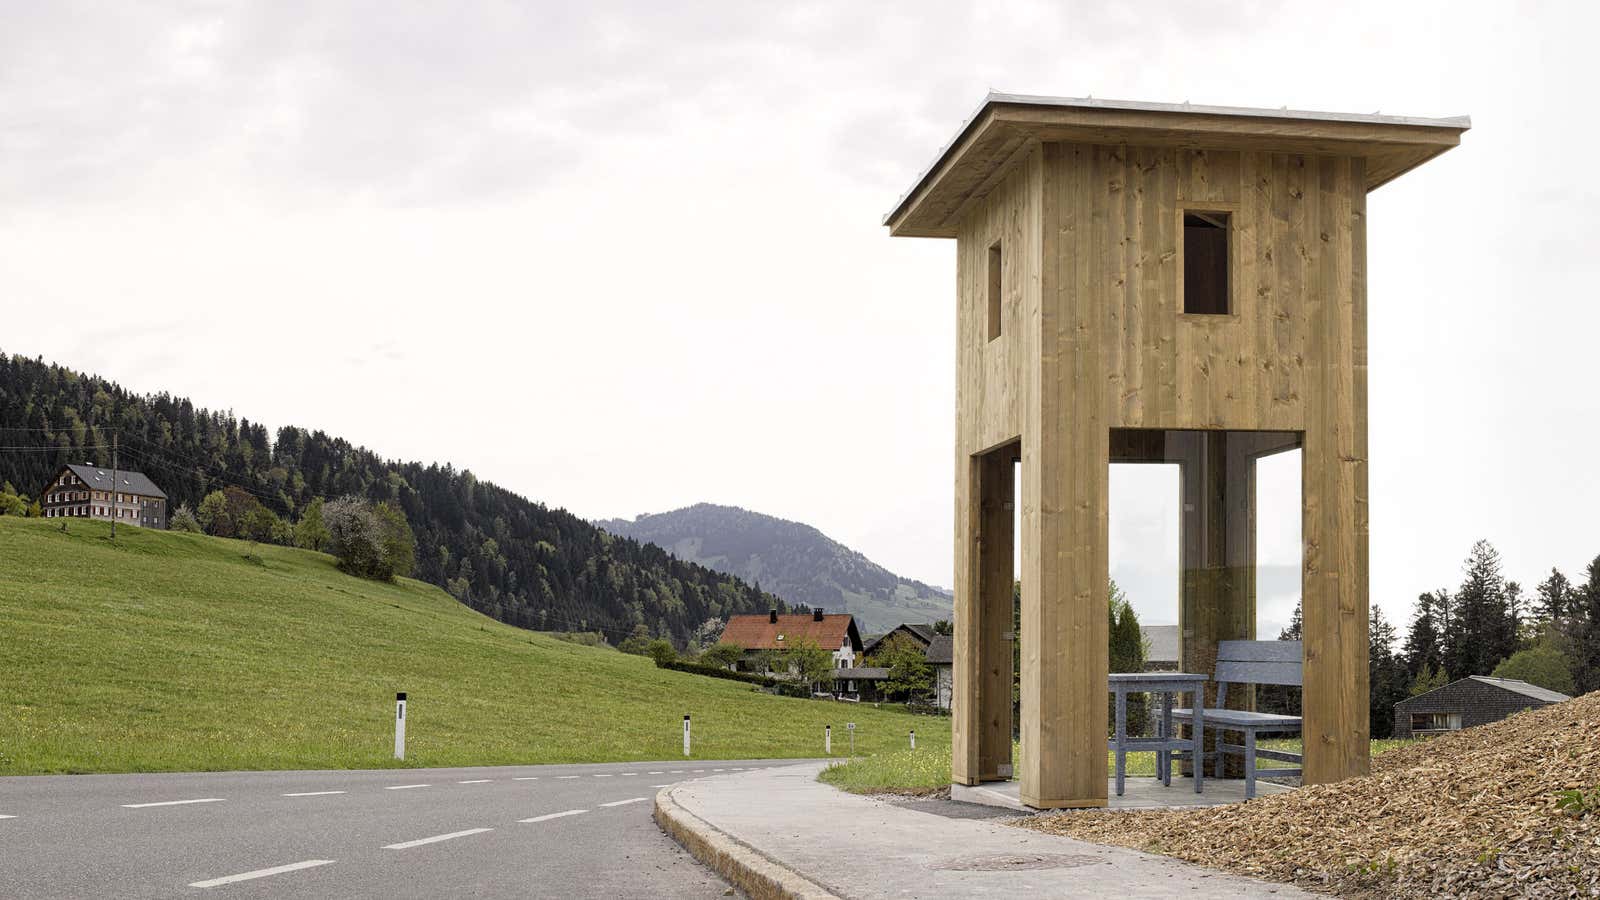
[860,847]
[1138,793]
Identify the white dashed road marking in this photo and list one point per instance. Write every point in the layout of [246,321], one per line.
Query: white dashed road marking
[549,816]
[526,778]
[654,773]
[313,793]
[624,802]
[406,845]
[476,781]
[660,785]
[260,873]
[569,776]
[173,802]
[405,787]
[602,774]
[7,817]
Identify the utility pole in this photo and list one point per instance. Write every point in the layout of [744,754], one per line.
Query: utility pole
[114,510]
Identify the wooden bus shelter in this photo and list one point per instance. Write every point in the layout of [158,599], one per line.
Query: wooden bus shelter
[1156,283]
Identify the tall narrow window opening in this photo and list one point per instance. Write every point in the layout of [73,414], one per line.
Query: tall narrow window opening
[994,290]
[1205,263]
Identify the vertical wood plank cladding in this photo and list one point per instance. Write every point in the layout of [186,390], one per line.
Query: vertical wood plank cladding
[1065,473]
[965,646]
[1093,337]
[995,383]
[997,476]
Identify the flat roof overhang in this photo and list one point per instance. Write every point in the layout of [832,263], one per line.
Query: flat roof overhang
[1006,127]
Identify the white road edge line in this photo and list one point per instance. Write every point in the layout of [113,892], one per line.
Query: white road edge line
[406,845]
[549,816]
[405,787]
[476,781]
[624,802]
[260,873]
[173,802]
[313,793]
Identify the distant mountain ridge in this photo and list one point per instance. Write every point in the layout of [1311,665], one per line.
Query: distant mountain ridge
[790,559]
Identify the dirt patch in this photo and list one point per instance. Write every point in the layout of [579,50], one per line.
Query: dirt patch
[1477,813]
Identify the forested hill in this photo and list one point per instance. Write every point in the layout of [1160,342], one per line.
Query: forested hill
[793,560]
[516,560]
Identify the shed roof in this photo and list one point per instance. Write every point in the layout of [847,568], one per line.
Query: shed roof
[1522,687]
[761,633]
[128,482]
[1531,691]
[862,673]
[921,633]
[1005,126]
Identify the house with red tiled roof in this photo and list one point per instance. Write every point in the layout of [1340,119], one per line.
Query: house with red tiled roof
[775,632]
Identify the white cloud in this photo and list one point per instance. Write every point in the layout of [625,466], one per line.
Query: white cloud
[626,257]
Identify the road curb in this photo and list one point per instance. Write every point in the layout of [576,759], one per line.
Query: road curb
[758,876]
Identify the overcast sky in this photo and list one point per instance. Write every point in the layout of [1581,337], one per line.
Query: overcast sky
[626,257]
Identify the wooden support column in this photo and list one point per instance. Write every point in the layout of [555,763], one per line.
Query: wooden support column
[982,673]
[1334,602]
[996,565]
[1065,473]
[1217,593]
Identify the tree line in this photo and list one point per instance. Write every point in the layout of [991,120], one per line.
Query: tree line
[1486,626]
[512,558]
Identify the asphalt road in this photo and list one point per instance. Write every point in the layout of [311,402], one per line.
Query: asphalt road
[522,831]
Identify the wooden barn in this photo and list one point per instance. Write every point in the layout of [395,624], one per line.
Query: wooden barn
[1475,700]
[1153,283]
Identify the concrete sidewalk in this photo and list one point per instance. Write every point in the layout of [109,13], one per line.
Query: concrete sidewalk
[781,833]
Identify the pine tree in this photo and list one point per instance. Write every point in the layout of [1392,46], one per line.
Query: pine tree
[1424,647]
[1482,629]
[1553,596]
[1387,677]
[1586,624]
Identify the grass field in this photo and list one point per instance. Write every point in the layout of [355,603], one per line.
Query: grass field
[171,651]
[927,770]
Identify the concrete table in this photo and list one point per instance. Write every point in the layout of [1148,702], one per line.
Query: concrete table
[1165,742]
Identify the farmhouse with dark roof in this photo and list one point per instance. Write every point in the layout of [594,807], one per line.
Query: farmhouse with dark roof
[93,492]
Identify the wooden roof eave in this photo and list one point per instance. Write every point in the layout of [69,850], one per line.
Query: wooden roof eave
[1003,134]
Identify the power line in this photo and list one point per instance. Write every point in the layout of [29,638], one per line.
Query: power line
[35,448]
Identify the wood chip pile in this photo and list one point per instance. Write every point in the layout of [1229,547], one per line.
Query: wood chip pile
[1473,813]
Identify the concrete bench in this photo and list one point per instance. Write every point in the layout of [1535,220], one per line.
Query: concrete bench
[1243,663]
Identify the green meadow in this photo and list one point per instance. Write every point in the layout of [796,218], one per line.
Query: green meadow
[175,652]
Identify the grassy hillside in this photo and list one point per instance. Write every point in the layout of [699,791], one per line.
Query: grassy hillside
[172,651]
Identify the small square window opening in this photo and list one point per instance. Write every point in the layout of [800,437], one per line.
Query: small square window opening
[1205,263]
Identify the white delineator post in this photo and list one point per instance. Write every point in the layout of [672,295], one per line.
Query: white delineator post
[851,727]
[400,725]
[827,740]
[913,739]
[686,734]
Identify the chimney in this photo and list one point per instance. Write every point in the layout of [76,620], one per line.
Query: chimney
[772,616]
[816,614]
